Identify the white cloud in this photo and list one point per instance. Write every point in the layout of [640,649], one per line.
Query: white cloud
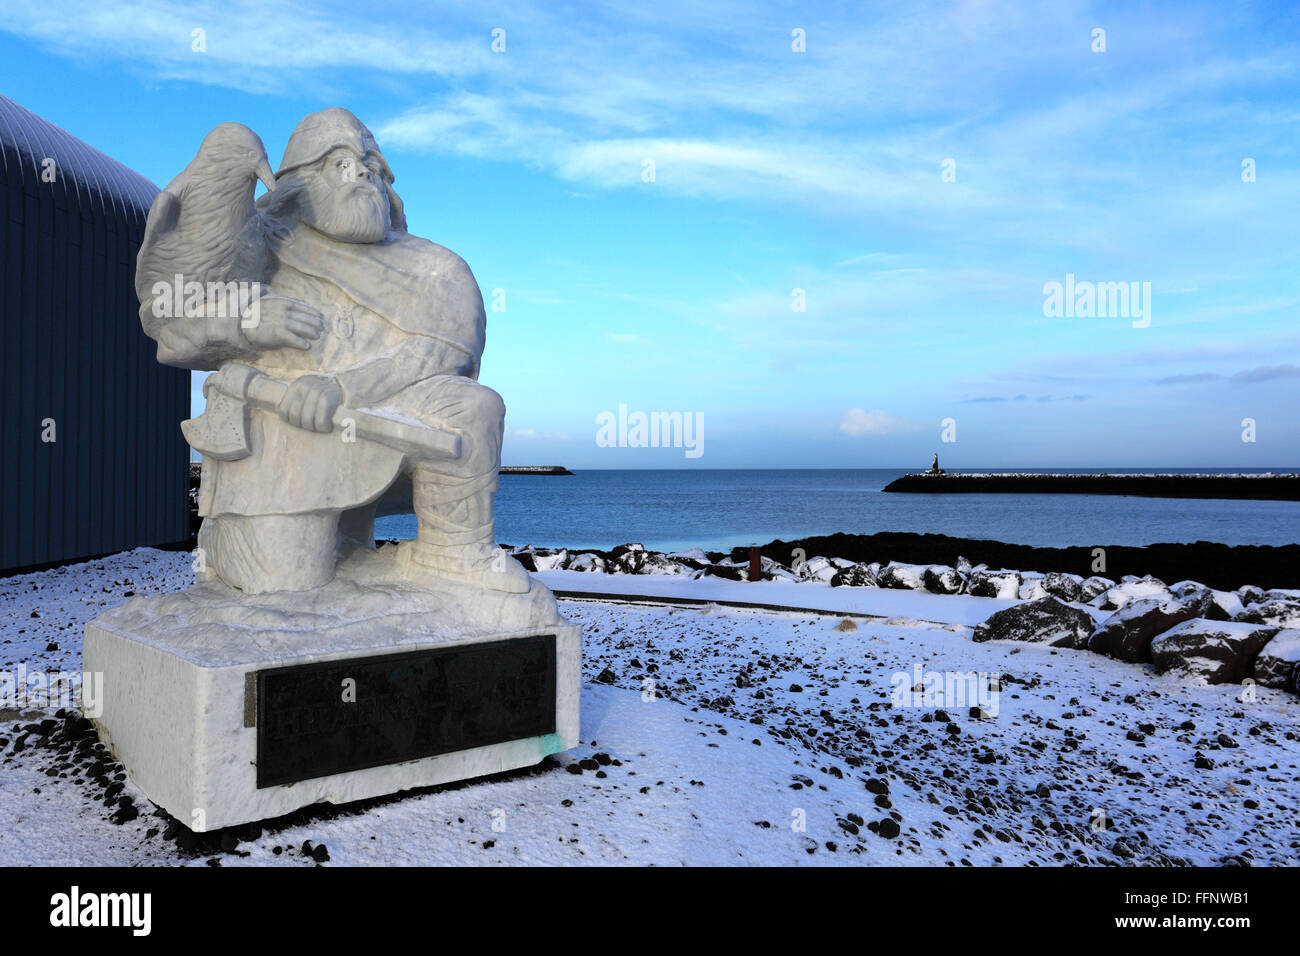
[858,422]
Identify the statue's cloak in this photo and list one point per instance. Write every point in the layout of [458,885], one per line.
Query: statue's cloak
[413,311]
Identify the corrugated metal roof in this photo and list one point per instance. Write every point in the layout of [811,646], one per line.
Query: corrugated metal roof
[86,174]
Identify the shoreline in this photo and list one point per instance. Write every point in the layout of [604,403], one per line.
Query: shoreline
[1220,566]
[1217,565]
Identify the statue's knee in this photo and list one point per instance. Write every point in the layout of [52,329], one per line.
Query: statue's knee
[484,404]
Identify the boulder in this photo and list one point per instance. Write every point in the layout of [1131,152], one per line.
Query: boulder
[626,560]
[1250,594]
[1093,587]
[1127,634]
[818,569]
[1210,652]
[694,558]
[587,562]
[902,577]
[655,563]
[1067,587]
[1048,620]
[941,580]
[856,576]
[1226,605]
[1031,586]
[548,560]
[1278,664]
[1272,613]
[731,572]
[1132,589]
[998,584]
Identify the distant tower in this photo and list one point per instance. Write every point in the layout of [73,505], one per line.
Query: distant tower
[934,466]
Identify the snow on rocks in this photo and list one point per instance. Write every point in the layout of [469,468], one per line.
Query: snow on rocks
[1278,664]
[1094,586]
[1047,620]
[903,577]
[1127,634]
[998,584]
[940,580]
[1130,589]
[1067,587]
[1273,613]
[587,561]
[1132,612]
[1209,652]
[818,569]
[857,576]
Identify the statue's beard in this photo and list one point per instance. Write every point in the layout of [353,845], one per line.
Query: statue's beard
[354,212]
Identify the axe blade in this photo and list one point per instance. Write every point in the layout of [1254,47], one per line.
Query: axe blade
[221,432]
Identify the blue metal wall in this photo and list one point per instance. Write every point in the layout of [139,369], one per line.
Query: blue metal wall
[72,350]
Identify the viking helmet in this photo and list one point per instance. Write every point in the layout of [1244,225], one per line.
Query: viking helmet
[321,132]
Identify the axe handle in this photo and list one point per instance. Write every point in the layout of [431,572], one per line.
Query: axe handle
[422,441]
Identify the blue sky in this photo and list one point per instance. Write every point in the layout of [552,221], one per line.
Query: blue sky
[778,170]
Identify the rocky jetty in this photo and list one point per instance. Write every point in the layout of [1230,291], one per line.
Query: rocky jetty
[1259,487]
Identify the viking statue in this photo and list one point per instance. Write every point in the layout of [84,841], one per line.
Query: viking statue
[347,353]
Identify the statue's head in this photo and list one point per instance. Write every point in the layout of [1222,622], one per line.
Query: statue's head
[336,180]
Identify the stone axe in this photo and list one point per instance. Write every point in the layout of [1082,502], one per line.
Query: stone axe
[221,432]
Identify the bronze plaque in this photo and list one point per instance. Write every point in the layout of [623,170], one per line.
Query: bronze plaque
[314,720]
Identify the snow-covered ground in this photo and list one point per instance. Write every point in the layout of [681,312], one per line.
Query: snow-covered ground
[715,735]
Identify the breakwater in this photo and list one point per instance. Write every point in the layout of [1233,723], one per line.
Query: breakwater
[1267,487]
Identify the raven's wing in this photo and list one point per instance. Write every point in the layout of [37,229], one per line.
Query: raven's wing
[162,219]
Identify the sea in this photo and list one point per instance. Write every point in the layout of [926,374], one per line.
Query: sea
[677,509]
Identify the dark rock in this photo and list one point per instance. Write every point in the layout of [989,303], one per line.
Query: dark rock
[902,577]
[1094,586]
[940,580]
[1250,594]
[1127,634]
[1003,584]
[728,571]
[858,576]
[1281,614]
[888,828]
[1062,586]
[1215,652]
[1045,621]
[1278,664]
[606,676]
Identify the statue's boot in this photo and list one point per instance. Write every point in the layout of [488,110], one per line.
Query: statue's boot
[455,536]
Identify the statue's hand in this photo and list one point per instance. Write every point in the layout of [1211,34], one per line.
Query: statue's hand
[278,322]
[310,402]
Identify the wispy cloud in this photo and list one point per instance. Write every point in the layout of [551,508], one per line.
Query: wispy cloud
[858,422]
[1266,373]
[1190,378]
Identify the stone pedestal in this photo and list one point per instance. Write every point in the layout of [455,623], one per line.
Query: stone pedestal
[228,708]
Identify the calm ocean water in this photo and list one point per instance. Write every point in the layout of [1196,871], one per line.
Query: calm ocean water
[718,510]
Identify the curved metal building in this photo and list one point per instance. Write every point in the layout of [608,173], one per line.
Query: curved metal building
[92,460]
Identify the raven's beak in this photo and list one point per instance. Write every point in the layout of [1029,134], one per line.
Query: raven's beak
[265,175]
